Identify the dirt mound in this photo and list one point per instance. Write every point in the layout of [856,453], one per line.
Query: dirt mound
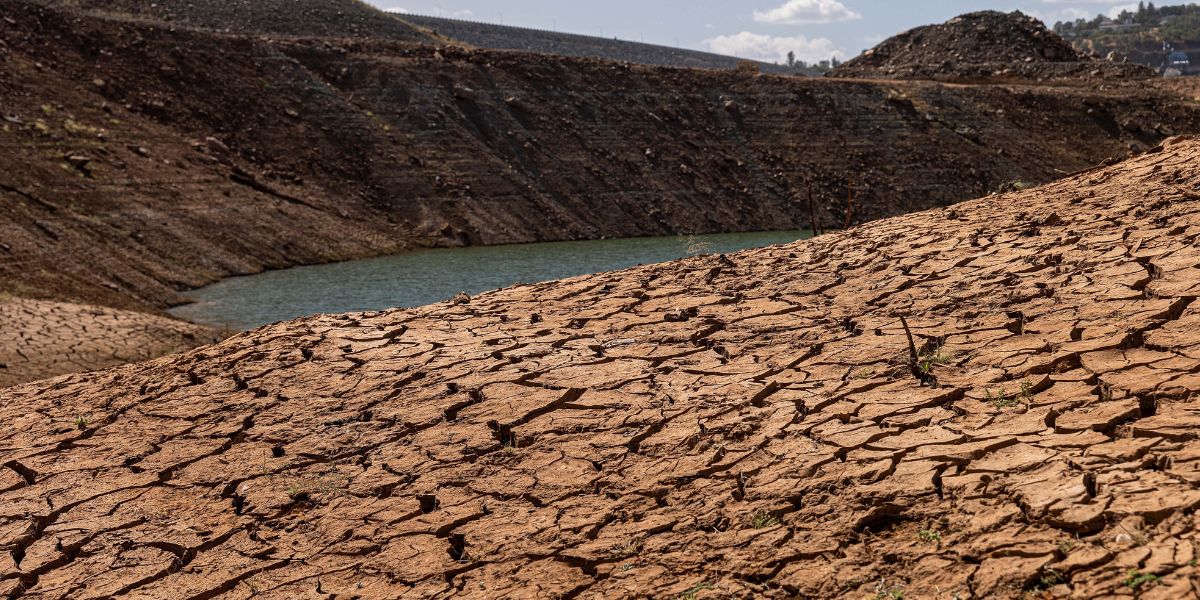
[982,45]
[47,339]
[323,18]
[757,424]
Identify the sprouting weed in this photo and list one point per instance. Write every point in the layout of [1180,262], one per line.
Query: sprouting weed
[1135,579]
[863,373]
[885,592]
[691,593]
[1002,400]
[936,357]
[762,520]
[930,536]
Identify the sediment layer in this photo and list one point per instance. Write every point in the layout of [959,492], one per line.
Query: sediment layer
[759,424]
[44,339]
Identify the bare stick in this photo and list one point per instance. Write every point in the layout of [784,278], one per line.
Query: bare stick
[913,358]
[849,203]
[812,211]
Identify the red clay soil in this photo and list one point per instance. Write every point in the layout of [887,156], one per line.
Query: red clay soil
[45,339]
[981,46]
[137,160]
[752,425]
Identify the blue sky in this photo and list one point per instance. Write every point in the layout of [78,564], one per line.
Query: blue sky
[759,29]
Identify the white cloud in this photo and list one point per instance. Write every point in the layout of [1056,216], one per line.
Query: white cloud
[798,12]
[769,48]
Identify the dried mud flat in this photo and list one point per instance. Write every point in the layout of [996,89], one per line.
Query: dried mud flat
[44,339]
[745,426]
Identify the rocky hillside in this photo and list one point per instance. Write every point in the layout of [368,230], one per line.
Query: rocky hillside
[318,18]
[981,46]
[992,400]
[502,37]
[138,159]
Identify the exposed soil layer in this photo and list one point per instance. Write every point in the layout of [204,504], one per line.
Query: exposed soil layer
[502,37]
[45,339]
[321,18]
[986,45]
[754,425]
[138,160]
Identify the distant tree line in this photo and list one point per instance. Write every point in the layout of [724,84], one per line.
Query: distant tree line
[823,65]
[1166,22]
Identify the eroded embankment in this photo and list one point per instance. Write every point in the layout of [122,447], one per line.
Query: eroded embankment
[45,339]
[753,425]
[136,160]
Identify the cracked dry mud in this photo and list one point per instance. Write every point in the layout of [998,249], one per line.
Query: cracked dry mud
[44,339]
[750,425]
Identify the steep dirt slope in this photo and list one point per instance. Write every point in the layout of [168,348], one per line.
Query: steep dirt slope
[322,18]
[749,425]
[138,160]
[477,34]
[983,45]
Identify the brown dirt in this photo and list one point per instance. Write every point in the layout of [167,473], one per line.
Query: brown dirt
[747,426]
[45,339]
[980,46]
[321,18]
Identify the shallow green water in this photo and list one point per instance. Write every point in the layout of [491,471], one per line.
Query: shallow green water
[428,276]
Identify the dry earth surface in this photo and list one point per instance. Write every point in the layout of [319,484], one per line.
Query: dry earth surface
[44,339]
[139,156]
[751,425]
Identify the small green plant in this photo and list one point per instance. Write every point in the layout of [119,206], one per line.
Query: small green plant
[1191,563]
[1003,399]
[1066,546]
[863,373]
[691,593]
[1135,579]
[296,492]
[81,423]
[885,592]
[930,536]
[934,358]
[762,520]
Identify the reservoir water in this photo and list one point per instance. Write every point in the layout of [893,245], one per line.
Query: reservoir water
[428,276]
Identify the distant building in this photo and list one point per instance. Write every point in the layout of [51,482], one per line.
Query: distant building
[1127,24]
